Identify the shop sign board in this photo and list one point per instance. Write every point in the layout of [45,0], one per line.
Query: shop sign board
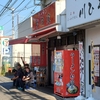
[6,49]
[44,18]
[82,11]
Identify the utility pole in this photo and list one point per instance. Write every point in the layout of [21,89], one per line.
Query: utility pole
[13,29]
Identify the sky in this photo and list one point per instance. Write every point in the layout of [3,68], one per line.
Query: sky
[23,10]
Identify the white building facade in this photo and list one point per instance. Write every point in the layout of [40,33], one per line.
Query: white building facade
[21,49]
[84,14]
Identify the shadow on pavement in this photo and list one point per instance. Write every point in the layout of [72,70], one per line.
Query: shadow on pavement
[5,88]
[27,96]
[6,85]
[38,93]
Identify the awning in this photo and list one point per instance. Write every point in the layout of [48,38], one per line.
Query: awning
[21,40]
[42,33]
[33,37]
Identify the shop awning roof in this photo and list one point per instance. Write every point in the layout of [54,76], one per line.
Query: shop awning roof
[33,37]
[21,40]
[42,32]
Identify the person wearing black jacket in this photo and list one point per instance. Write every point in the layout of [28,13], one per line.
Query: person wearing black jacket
[19,76]
[14,71]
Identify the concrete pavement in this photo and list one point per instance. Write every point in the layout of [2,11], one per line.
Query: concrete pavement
[41,93]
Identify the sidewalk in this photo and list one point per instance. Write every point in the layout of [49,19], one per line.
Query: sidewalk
[41,93]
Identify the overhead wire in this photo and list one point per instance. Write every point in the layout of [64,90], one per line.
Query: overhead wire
[24,8]
[5,7]
[19,5]
[7,22]
[10,7]
[17,13]
[25,18]
[14,2]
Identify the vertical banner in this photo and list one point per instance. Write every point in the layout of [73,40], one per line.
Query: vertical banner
[92,68]
[81,58]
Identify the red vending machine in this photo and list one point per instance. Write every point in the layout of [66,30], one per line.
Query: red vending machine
[66,74]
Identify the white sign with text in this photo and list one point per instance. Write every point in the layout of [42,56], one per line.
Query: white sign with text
[82,11]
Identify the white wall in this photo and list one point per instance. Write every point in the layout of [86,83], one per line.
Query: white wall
[21,50]
[25,28]
[92,34]
[61,15]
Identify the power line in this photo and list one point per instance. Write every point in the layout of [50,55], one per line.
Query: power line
[19,4]
[13,3]
[7,22]
[21,26]
[5,7]
[24,6]
[9,6]
[16,11]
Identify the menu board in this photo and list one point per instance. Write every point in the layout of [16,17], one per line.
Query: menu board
[96,61]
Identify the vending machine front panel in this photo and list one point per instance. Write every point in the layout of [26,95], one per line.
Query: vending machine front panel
[66,74]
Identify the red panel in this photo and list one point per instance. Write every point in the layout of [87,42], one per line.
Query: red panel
[43,32]
[68,79]
[44,18]
[36,36]
[43,54]
[18,41]
[40,60]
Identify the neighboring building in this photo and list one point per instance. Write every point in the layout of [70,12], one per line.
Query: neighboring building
[22,49]
[85,15]
[25,28]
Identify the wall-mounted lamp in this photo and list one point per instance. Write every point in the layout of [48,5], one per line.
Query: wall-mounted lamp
[74,33]
[58,36]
